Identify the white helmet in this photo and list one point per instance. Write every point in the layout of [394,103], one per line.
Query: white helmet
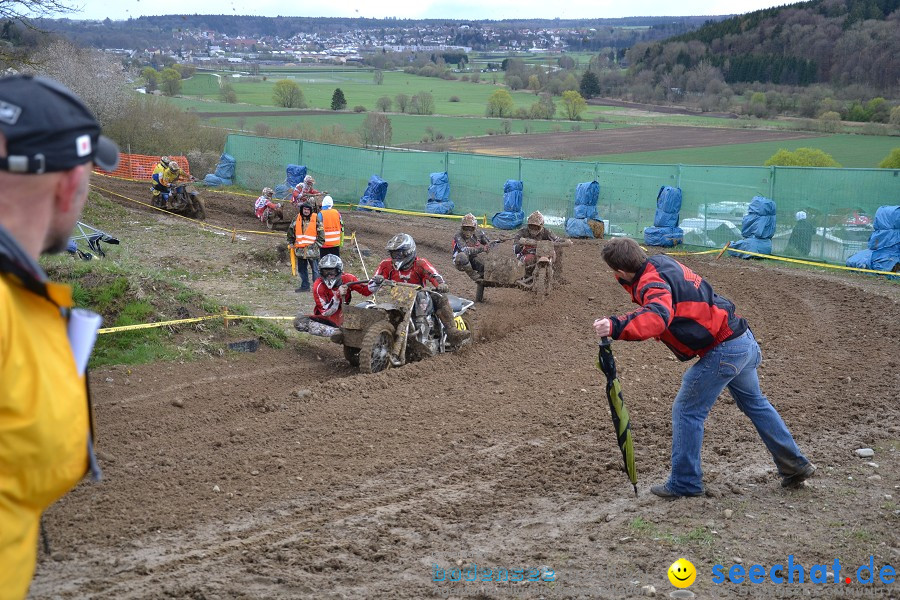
[327,203]
[268,192]
[174,165]
[469,221]
[800,215]
[331,267]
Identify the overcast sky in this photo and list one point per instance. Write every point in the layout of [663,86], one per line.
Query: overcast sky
[442,9]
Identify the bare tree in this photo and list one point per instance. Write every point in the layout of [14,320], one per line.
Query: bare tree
[376,130]
[402,102]
[96,77]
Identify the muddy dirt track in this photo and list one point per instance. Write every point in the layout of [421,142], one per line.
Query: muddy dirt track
[333,484]
[616,141]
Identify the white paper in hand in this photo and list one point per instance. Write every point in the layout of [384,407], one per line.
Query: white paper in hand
[83,326]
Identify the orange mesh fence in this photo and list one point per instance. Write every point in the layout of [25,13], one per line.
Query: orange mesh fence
[139,166]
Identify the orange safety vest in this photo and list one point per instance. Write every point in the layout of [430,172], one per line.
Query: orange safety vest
[331,222]
[305,238]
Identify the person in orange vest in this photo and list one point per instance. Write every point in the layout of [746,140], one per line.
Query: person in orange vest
[333,225]
[306,236]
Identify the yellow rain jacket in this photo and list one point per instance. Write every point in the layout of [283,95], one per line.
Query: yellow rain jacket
[44,411]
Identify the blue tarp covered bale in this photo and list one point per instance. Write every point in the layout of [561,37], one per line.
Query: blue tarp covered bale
[887,217]
[224,174]
[439,190]
[508,220]
[440,208]
[580,228]
[861,260]
[512,215]
[668,205]
[586,196]
[294,174]
[512,196]
[225,168]
[751,244]
[760,219]
[439,202]
[663,236]
[375,193]
[757,227]
[884,243]
[886,259]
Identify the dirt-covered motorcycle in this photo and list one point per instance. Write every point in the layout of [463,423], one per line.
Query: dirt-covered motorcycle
[396,325]
[503,269]
[181,201]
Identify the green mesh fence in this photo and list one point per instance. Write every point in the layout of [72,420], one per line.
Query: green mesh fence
[841,203]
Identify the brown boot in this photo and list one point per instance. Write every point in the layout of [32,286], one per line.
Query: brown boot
[443,312]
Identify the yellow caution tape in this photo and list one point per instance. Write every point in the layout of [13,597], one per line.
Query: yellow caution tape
[695,253]
[486,225]
[201,223]
[783,259]
[225,316]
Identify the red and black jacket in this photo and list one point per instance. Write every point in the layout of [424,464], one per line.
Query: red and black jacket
[679,308]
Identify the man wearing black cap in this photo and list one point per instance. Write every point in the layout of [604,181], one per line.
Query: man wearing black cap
[48,143]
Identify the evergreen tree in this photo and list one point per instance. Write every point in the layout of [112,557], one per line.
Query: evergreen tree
[590,85]
[338,101]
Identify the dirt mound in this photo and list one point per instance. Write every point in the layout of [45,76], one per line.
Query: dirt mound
[288,474]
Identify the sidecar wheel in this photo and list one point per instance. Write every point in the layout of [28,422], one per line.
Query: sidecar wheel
[375,351]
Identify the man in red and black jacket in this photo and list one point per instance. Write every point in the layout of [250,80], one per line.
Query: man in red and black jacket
[680,309]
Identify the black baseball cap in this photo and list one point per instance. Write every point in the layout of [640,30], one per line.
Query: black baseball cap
[48,128]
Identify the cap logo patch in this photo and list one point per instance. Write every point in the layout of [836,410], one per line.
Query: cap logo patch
[83,145]
[9,113]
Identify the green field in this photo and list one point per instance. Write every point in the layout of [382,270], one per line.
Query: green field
[360,90]
[406,129]
[466,117]
[851,151]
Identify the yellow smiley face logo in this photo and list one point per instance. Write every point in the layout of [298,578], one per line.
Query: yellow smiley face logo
[682,573]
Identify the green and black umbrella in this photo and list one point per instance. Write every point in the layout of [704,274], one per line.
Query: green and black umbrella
[621,422]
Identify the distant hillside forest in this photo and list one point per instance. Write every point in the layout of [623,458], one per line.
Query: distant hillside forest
[836,42]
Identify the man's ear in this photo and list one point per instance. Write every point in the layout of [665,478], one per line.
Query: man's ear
[67,187]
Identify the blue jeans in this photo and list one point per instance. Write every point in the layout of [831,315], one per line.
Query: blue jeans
[731,364]
[313,267]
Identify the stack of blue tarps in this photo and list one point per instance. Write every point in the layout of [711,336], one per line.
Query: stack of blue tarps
[883,253]
[586,196]
[374,194]
[295,175]
[224,174]
[439,202]
[665,230]
[758,227]
[512,215]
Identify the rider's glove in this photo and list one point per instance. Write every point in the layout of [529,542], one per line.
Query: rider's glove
[378,279]
[442,288]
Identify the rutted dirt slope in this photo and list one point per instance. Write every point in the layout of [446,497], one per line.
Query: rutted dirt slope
[502,456]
